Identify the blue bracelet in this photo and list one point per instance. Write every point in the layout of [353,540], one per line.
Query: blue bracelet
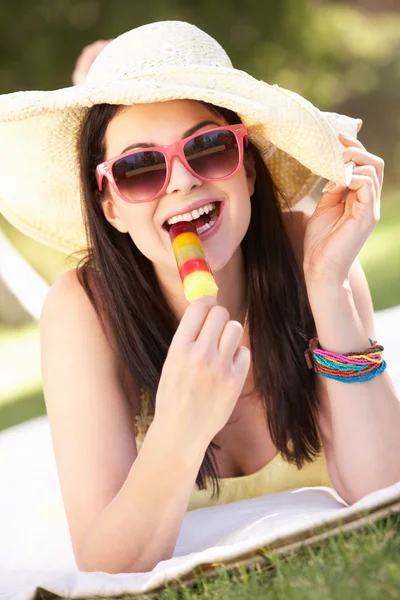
[354,367]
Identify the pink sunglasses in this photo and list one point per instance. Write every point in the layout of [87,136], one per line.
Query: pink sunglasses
[143,174]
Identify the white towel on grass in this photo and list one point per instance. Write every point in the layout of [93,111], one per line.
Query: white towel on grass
[35,549]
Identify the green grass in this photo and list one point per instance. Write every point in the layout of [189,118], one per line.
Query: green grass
[363,565]
[360,565]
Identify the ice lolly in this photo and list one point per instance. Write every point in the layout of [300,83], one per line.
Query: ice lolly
[194,270]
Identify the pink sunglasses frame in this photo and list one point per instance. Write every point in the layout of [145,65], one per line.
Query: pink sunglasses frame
[104,169]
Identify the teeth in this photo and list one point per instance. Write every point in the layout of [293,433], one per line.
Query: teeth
[206,226]
[193,215]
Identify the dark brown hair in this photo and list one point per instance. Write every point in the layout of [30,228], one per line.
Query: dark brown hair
[143,323]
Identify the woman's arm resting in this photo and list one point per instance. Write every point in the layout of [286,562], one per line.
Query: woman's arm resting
[124,511]
[359,422]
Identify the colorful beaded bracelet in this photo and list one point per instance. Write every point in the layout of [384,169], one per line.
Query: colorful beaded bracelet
[347,368]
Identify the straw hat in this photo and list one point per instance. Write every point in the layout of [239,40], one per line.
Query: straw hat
[39,176]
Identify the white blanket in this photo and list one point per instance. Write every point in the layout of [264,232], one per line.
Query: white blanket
[35,549]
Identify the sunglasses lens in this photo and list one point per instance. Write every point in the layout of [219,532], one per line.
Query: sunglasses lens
[213,154]
[141,175]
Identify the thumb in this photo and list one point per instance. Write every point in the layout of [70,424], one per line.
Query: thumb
[332,193]
[208,300]
[333,188]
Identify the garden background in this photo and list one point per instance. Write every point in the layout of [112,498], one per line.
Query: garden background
[342,56]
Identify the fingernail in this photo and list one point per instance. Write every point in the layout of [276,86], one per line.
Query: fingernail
[209,300]
[329,187]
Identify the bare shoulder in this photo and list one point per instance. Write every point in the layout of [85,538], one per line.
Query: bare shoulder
[90,415]
[67,293]
[67,297]
[68,314]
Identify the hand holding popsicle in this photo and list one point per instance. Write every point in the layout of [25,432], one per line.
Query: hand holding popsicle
[203,374]
[206,365]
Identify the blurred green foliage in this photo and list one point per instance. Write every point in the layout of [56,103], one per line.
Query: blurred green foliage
[341,58]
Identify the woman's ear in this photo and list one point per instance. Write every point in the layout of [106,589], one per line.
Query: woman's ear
[112,215]
[250,169]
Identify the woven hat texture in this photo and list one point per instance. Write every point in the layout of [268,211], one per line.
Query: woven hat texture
[39,177]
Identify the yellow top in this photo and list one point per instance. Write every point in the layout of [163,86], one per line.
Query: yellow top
[277,476]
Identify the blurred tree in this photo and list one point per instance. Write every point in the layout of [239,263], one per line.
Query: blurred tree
[338,56]
[373,5]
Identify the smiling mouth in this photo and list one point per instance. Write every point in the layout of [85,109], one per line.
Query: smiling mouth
[202,219]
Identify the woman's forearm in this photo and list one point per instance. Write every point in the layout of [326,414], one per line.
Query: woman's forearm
[140,527]
[364,417]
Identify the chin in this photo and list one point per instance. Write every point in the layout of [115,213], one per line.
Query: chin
[222,257]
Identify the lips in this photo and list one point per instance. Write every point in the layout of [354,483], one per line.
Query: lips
[218,204]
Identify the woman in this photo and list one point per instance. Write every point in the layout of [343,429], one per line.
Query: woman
[235,391]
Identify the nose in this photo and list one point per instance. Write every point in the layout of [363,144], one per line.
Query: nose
[181,180]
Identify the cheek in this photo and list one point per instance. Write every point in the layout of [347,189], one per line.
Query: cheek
[139,220]
[240,190]
[240,204]
[244,180]
[136,217]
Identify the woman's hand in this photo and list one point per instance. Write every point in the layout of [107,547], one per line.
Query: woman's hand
[85,60]
[203,374]
[337,230]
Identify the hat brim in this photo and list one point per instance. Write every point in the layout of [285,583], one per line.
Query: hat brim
[39,179]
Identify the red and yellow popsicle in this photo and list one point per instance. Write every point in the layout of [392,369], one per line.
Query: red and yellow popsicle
[194,270]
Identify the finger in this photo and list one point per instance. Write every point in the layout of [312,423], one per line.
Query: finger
[83,58]
[347,140]
[242,361]
[78,77]
[364,185]
[96,48]
[90,51]
[192,321]
[335,191]
[86,59]
[369,171]
[82,67]
[230,339]
[362,157]
[332,193]
[212,329]
[363,205]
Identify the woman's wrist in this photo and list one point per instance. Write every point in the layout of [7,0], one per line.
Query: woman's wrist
[194,443]
[339,327]
[327,284]
[327,297]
